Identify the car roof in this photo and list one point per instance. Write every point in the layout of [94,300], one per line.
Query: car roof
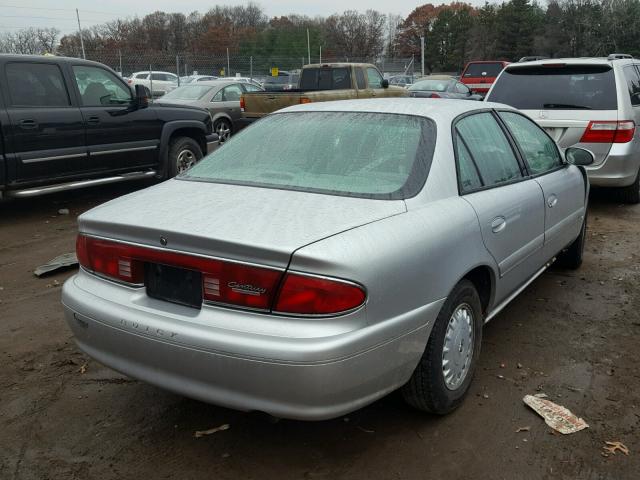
[573,61]
[438,109]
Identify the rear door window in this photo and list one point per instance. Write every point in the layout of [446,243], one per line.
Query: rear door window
[489,148]
[468,174]
[36,85]
[325,79]
[633,83]
[360,79]
[560,87]
[540,152]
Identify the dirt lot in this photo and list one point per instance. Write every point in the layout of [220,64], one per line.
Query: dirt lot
[572,335]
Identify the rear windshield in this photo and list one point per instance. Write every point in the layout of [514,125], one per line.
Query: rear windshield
[571,87]
[189,92]
[483,69]
[325,79]
[368,155]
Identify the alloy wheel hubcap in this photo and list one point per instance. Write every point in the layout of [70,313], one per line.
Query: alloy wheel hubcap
[186,159]
[457,350]
[224,131]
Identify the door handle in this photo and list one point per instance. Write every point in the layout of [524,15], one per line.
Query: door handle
[28,124]
[93,120]
[552,200]
[498,224]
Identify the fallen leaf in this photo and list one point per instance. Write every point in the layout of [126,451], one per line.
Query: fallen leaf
[613,447]
[202,433]
[83,369]
[523,429]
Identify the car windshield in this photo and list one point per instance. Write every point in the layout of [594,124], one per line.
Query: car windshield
[279,80]
[483,69]
[369,155]
[563,87]
[188,92]
[430,85]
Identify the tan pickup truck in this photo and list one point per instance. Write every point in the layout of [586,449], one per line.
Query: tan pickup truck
[321,83]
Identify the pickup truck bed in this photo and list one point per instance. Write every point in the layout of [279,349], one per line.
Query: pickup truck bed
[336,81]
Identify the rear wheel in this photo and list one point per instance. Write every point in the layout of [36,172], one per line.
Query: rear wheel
[631,194]
[184,152]
[222,127]
[443,375]
[572,257]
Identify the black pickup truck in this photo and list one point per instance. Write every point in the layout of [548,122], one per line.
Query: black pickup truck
[68,123]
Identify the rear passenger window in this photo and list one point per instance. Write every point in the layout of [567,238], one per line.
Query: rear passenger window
[538,149]
[633,83]
[467,171]
[36,85]
[489,148]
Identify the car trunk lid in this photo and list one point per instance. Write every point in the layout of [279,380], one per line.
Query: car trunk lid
[248,224]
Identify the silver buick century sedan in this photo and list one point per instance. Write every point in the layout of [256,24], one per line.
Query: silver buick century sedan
[329,254]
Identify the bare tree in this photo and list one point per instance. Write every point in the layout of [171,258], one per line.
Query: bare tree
[32,41]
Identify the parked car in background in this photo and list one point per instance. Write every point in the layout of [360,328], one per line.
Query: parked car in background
[284,81]
[252,81]
[158,83]
[593,103]
[70,123]
[196,78]
[401,80]
[220,97]
[479,76]
[381,259]
[441,86]
[532,58]
[321,83]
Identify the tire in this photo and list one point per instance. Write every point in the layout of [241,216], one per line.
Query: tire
[571,258]
[184,152]
[631,194]
[223,128]
[428,389]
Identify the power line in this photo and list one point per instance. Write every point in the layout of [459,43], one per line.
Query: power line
[49,18]
[57,9]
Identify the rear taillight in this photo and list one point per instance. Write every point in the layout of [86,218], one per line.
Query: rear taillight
[305,100]
[109,259]
[224,282]
[609,131]
[129,81]
[434,95]
[310,295]
[242,103]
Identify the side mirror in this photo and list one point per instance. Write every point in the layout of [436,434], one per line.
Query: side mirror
[579,156]
[385,83]
[142,98]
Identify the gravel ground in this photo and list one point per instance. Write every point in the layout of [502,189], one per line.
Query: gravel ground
[572,335]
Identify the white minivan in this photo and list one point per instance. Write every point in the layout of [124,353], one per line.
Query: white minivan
[592,103]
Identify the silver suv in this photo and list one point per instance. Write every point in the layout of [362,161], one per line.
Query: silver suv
[593,103]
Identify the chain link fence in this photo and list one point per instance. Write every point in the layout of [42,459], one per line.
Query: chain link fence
[186,64]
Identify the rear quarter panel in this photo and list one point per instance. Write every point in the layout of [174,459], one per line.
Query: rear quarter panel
[406,261]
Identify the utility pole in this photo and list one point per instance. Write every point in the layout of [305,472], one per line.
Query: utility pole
[120,58]
[80,34]
[308,47]
[320,54]
[422,54]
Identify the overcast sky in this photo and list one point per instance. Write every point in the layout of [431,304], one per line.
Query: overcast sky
[16,14]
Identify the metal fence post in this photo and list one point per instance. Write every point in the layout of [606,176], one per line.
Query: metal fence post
[251,68]
[178,69]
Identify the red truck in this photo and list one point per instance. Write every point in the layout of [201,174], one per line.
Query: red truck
[479,76]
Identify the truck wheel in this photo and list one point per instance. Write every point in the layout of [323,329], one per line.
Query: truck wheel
[572,257]
[184,152]
[443,375]
[631,194]
[222,127]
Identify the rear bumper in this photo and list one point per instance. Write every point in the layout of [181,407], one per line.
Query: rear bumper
[619,169]
[291,375]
